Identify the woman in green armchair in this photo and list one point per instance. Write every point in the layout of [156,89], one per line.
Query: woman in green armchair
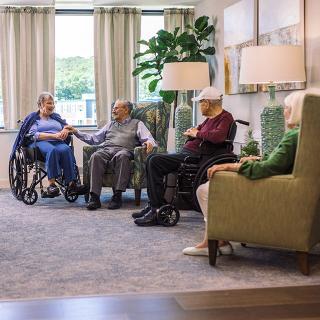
[280,161]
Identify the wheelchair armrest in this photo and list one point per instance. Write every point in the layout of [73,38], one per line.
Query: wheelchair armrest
[192,159]
[28,139]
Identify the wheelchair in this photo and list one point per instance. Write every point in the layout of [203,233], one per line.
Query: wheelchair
[193,172]
[30,160]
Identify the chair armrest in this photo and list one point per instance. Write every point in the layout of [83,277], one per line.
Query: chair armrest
[139,166]
[87,153]
[257,211]
[192,159]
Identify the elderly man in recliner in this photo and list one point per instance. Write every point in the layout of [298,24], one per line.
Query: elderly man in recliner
[119,138]
[214,129]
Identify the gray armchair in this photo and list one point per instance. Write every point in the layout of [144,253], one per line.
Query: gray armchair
[155,115]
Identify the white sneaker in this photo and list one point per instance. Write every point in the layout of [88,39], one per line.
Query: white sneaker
[193,251]
[225,250]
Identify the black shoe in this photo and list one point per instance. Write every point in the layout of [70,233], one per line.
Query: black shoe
[116,201]
[94,202]
[78,189]
[141,213]
[149,219]
[53,191]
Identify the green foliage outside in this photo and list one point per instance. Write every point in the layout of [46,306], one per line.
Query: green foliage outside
[74,77]
[168,47]
[252,146]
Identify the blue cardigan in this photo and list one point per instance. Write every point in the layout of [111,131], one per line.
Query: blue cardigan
[27,124]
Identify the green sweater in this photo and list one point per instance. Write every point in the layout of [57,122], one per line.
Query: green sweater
[280,160]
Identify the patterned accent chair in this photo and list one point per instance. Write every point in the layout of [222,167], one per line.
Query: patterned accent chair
[156,116]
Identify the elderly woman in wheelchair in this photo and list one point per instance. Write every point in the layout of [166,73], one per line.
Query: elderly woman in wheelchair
[43,137]
[280,161]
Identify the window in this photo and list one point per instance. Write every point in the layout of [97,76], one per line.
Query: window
[150,25]
[74,82]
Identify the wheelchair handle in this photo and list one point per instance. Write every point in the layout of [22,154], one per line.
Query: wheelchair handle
[246,123]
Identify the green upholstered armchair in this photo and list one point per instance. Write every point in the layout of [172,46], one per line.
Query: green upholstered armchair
[155,115]
[280,211]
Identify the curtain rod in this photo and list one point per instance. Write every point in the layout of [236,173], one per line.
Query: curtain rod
[90,11]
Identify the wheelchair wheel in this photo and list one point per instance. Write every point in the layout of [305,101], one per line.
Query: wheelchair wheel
[18,174]
[168,215]
[29,196]
[201,176]
[70,197]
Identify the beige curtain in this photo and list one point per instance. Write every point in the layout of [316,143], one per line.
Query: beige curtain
[27,59]
[176,17]
[117,31]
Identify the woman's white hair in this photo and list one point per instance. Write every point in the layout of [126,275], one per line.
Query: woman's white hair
[295,102]
[44,96]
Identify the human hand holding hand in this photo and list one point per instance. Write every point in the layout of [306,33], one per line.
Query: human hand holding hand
[149,146]
[64,134]
[57,136]
[70,128]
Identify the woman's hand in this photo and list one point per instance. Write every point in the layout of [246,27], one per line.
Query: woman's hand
[56,136]
[222,167]
[250,158]
[70,128]
[64,133]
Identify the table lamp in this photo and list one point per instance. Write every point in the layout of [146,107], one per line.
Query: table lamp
[183,76]
[270,65]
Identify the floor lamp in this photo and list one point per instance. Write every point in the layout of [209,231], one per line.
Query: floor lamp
[270,65]
[183,76]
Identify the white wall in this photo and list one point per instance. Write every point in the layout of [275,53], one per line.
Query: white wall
[249,106]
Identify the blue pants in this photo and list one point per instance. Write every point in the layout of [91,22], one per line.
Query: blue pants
[59,158]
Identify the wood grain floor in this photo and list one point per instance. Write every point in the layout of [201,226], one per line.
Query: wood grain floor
[270,303]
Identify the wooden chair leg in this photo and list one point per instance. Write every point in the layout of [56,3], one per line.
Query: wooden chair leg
[137,196]
[213,249]
[303,262]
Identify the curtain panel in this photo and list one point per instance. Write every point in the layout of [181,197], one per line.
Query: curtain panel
[117,31]
[27,59]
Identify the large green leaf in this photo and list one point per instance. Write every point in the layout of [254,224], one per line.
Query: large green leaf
[167,96]
[153,84]
[139,70]
[175,32]
[205,33]
[201,23]
[148,75]
[140,54]
[186,39]
[171,59]
[209,51]
[143,42]
[195,58]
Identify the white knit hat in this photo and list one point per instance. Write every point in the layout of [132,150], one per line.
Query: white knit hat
[209,93]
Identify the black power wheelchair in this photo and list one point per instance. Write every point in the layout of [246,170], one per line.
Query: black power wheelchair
[29,159]
[193,172]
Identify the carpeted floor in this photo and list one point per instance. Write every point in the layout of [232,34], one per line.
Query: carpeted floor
[54,248]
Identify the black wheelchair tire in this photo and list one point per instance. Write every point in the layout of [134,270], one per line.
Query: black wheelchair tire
[201,176]
[70,197]
[18,174]
[168,215]
[29,196]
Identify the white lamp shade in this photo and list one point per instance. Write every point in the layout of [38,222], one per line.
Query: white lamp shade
[277,64]
[185,76]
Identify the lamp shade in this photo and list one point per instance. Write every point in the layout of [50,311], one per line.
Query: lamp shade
[277,64]
[185,76]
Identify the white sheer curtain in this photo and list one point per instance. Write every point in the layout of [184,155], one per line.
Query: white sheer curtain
[27,59]
[117,31]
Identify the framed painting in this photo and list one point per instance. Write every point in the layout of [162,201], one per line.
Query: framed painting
[240,30]
[281,22]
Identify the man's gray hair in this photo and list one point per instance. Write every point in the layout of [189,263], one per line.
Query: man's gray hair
[44,96]
[127,103]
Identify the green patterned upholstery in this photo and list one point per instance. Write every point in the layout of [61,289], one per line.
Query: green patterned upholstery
[155,115]
[280,211]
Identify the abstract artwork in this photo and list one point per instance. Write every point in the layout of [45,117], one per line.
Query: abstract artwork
[240,21]
[281,22]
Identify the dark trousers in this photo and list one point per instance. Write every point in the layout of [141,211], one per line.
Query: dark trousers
[157,167]
[119,159]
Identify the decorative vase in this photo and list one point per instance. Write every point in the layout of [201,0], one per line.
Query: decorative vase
[183,121]
[272,123]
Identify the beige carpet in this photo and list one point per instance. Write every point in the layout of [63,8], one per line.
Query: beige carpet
[55,248]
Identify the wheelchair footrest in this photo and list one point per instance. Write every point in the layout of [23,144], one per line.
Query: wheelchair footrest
[45,194]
